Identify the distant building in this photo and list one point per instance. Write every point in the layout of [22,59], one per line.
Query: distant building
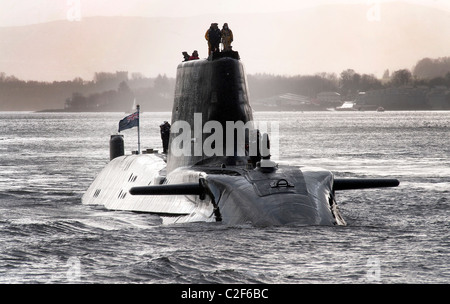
[403,98]
[329,98]
[286,102]
[293,99]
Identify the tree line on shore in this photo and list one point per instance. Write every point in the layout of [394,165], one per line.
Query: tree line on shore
[427,72]
[117,91]
[109,92]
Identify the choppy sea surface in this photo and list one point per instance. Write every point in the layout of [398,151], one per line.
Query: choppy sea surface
[394,235]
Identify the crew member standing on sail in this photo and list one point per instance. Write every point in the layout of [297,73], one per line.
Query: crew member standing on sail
[213,36]
[227,37]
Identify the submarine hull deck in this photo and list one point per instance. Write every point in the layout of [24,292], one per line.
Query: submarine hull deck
[111,189]
[235,195]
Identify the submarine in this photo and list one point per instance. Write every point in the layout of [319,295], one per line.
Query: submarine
[213,172]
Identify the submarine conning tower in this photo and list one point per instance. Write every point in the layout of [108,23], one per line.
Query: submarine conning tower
[214,89]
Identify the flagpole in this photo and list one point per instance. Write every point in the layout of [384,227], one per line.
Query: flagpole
[139,135]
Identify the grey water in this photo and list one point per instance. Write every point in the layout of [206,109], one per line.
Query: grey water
[394,235]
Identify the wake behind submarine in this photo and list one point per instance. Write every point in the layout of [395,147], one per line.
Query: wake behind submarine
[215,173]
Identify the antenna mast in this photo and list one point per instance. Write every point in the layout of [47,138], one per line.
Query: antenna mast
[139,134]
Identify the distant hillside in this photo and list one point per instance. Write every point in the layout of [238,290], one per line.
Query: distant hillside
[324,39]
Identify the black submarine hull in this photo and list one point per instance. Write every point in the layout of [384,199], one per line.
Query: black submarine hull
[234,186]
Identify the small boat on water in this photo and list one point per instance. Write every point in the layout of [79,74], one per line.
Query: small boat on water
[346,106]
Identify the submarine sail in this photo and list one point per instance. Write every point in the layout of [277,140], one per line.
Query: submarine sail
[216,90]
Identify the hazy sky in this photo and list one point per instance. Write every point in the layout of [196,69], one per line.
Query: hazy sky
[21,12]
[398,48]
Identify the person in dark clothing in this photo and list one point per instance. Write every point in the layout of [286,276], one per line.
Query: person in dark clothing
[213,35]
[165,134]
[194,56]
[186,56]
